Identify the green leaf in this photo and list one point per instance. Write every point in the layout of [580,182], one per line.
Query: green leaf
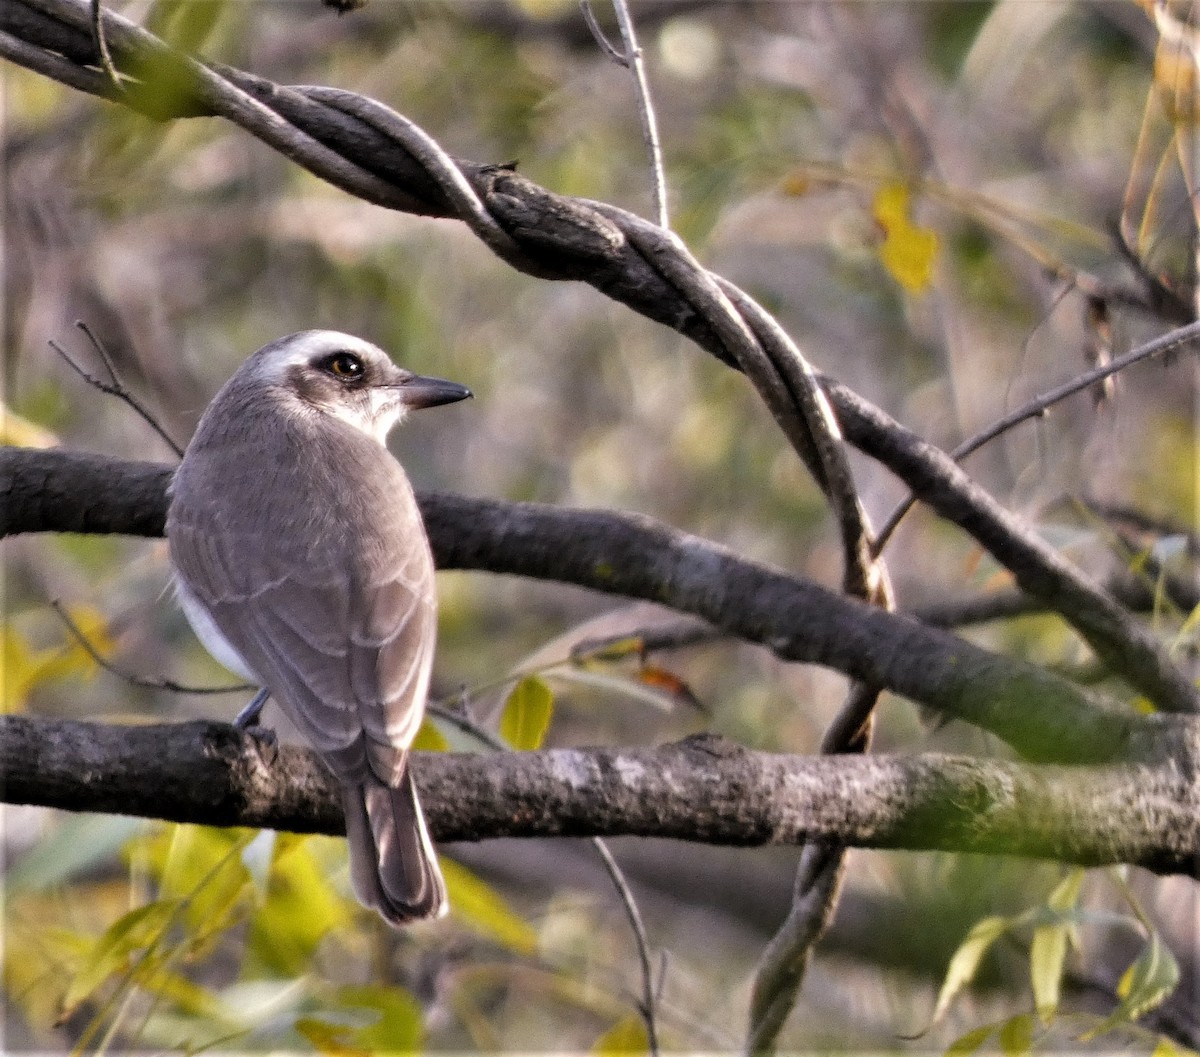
[627,1035]
[112,952]
[202,868]
[527,712]
[1016,1035]
[1143,986]
[967,1044]
[965,961]
[400,1026]
[327,1038]
[1150,979]
[301,907]
[1066,892]
[479,906]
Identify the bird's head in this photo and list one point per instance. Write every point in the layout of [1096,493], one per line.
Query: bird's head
[348,378]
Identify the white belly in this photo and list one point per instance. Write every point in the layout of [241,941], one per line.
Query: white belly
[210,635]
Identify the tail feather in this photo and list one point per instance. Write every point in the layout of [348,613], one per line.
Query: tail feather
[393,866]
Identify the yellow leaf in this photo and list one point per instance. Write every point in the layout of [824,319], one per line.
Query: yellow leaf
[907,251]
[74,659]
[18,432]
[399,1027]
[1048,951]
[430,739]
[796,184]
[1144,706]
[329,1039]
[527,712]
[626,1036]
[18,662]
[133,932]
[1046,956]
[1166,1048]
[300,909]
[479,906]
[965,961]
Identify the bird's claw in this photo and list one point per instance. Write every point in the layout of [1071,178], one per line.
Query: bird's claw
[266,741]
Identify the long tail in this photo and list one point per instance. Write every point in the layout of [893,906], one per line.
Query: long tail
[393,866]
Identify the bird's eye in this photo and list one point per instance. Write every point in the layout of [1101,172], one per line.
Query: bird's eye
[344,366]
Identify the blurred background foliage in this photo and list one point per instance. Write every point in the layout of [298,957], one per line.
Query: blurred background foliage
[918,190]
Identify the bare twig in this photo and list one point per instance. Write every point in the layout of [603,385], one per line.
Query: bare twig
[148,681]
[463,720]
[1130,649]
[102,47]
[649,991]
[631,59]
[600,37]
[652,638]
[1039,405]
[114,386]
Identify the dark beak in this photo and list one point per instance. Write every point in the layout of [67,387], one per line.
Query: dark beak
[418,391]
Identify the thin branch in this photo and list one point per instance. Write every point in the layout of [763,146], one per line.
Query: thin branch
[1127,647]
[151,682]
[645,110]
[631,59]
[784,964]
[653,638]
[1039,405]
[102,46]
[462,719]
[648,1003]
[114,386]
[1141,522]
[599,36]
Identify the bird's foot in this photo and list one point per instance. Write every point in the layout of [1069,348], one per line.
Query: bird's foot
[249,716]
[264,738]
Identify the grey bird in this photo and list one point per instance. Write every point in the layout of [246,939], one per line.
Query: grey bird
[302,563]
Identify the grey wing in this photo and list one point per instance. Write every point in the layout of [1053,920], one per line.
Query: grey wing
[343,640]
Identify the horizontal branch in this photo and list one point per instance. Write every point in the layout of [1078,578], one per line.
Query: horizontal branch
[383,158]
[701,789]
[1043,716]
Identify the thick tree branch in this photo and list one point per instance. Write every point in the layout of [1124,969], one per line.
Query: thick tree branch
[700,789]
[1041,715]
[555,237]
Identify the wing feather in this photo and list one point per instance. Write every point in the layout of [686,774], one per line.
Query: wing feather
[334,608]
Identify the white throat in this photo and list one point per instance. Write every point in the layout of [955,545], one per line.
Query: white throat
[384,412]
